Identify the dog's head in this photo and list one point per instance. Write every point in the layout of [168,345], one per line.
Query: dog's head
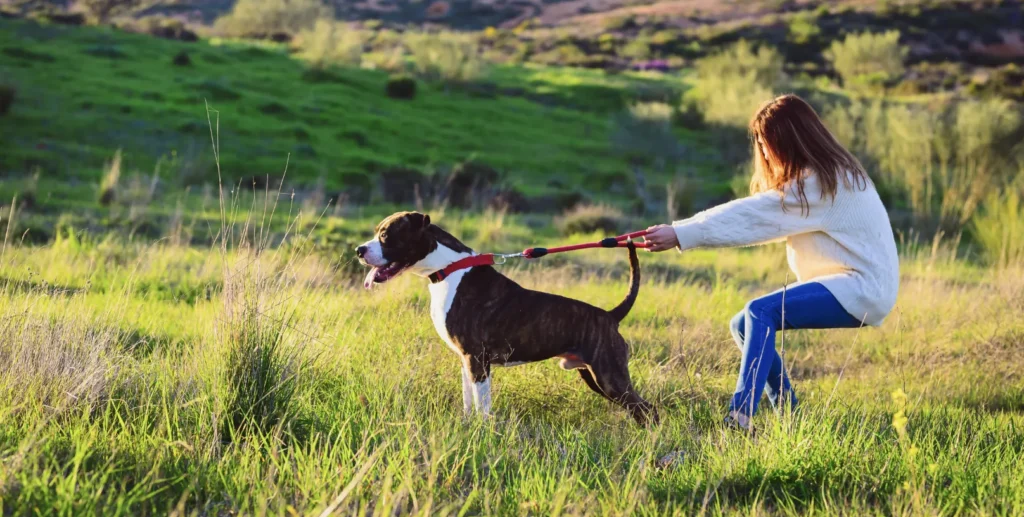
[404,241]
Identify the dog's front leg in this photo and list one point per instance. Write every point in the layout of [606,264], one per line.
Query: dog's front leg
[467,391]
[479,371]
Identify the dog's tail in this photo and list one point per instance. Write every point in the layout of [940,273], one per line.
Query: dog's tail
[620,312]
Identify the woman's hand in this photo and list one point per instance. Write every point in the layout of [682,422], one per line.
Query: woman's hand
[660,238]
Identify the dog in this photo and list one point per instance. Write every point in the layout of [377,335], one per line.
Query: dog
[489,320]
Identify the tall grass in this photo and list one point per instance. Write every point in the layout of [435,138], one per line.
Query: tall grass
[942,160]
[111,177]
[63,363]
[999,228]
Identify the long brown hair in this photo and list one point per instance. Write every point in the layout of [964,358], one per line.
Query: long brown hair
[797,142]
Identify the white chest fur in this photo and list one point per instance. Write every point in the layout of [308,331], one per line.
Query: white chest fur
[442,294]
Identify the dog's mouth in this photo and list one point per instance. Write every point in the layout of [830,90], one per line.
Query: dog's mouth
[379,275]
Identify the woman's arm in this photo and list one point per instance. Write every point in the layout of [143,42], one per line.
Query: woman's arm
[758,219]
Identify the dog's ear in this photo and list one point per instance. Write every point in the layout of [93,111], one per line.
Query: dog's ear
[426,220]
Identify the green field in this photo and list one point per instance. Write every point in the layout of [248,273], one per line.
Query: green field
[117,395]
[185,346]
[84,93]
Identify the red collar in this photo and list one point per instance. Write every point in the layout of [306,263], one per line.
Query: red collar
[487,259]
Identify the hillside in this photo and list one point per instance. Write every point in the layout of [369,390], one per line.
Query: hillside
[84,93]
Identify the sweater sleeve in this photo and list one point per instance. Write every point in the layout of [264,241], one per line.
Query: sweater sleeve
[758,219]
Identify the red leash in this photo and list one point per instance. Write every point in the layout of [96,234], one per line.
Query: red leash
[489,259]
[610,242]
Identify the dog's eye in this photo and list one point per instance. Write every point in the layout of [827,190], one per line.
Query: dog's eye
[383,235]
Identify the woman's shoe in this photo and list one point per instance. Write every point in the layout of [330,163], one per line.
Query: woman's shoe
[738,421]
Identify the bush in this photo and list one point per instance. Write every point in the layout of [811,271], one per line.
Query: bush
[182,59]
[731,84]
[262,18]
[803,27]
[999,229]
[7,93]
[585,219]
[943,162]
[636,49]
[468,182]
[167,28]
[868,59]
[102,10]
[644,132]
[330,43]
[401,87]
[445,57]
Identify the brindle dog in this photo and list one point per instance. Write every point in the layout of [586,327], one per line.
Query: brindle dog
[489,320]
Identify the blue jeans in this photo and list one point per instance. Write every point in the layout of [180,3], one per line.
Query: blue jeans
[808,306]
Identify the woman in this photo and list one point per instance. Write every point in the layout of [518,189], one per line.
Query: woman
[810,191]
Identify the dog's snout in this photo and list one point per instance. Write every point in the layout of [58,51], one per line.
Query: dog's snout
[361,251]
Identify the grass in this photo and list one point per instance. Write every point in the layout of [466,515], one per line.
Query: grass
[369,419]
[127,94]
[176,353]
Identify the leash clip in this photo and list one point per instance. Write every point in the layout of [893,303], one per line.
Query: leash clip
[501,258]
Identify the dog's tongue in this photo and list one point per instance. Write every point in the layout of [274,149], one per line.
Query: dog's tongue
[368,281]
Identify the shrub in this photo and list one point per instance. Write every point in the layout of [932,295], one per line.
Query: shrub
[590,219]
[102,10]
[62,18]
[803,27]
[467,183]
[868,59]
[182,59]
[330,43]
[644,132]
[262,18]
[999,229]
[565,54]
[636,49]
[356,187]
[401,87]
[942,161]
[445,57]
[401,185]
[391,60]
[7,93]
[731,84]
[167,28]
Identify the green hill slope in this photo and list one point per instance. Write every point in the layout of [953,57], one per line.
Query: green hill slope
[83,93]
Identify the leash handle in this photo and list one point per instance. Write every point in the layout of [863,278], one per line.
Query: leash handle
[608,242]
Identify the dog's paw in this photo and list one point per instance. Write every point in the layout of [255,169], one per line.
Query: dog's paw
[672,459]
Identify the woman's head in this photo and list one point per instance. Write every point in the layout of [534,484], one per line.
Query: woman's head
[789,140]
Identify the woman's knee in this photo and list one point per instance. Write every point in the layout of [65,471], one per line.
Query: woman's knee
[763,310]
[737,327]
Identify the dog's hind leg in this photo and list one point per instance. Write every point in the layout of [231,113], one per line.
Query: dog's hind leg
[591,383]
[612,378]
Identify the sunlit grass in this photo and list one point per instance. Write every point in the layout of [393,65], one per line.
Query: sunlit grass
[379,394]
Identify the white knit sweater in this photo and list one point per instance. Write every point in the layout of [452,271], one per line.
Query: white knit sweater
[847,244]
